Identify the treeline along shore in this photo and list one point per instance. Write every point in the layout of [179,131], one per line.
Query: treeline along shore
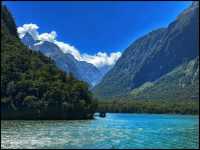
[147,106]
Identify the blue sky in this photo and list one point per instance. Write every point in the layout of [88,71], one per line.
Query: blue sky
[96,26]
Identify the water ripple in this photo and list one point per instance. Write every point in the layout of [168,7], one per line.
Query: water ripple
[115,131]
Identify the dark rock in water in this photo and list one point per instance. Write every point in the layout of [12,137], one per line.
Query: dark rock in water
[102,114]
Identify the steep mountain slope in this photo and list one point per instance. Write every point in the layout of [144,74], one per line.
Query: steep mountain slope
[28,40]
[80,69]
[153,55]
[32,87]
[182,83]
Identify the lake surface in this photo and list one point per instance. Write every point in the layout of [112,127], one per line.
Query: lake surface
[114,131]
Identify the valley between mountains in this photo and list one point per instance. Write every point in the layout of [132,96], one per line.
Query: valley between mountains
[157,73]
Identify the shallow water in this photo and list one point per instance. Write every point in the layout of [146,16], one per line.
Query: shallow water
[114,131]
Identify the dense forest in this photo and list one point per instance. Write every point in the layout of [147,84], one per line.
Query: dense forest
[147,106]
[32,87]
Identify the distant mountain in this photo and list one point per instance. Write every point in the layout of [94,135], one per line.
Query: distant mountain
[154,55]
[105,69]
[28,40]
[80,69]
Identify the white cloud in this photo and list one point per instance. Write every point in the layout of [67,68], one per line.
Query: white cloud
[30,28]
[67,48]
[99,60]
[50,37]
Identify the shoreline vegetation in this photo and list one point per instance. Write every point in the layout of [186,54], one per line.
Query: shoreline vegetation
[122,106]
[150,107]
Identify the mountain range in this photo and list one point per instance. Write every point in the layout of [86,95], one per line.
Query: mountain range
[65,61]
[163,64]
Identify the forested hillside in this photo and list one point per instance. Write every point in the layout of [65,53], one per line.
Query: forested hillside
[182,83]
[32,87]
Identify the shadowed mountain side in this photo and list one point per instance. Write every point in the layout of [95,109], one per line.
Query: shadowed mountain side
[153,55]
[182,83]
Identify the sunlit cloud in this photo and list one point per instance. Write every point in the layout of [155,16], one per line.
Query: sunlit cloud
[99,60]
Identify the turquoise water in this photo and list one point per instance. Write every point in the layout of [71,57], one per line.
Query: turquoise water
[114,131]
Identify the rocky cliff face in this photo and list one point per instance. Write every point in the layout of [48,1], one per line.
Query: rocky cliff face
[80,69]
[154,55]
